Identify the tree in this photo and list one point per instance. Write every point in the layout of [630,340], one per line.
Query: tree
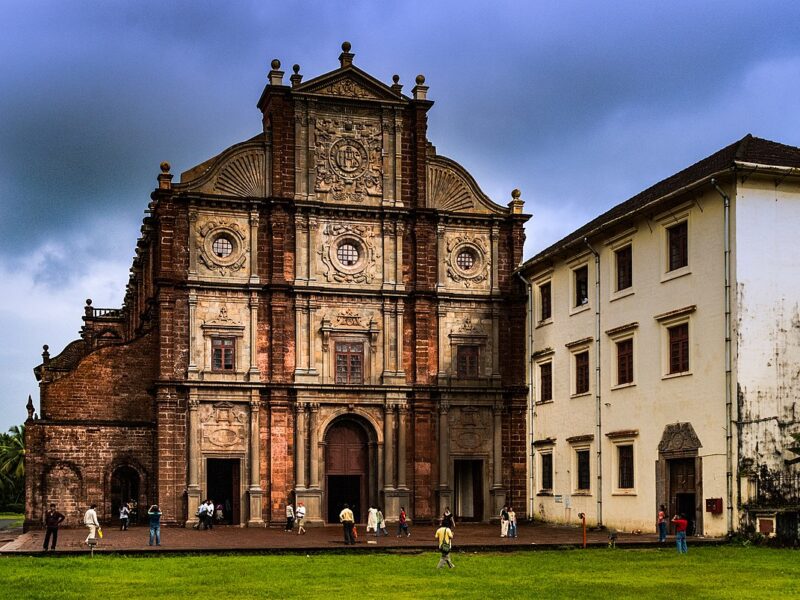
[12,465]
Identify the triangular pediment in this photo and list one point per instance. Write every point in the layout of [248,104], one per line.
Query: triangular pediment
[352,83]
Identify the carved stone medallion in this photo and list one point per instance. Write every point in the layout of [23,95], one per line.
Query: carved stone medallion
[467,259]
[348,161]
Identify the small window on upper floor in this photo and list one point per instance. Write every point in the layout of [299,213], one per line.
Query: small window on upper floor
[349,362]
[624,262]
[625,361]
[223,354]
[677,246]
[581,275]
[545,382]
[545,302]
[679,348]
[467,362]
[547,472]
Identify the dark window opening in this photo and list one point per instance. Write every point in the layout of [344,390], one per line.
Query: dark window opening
[625,454]
[546,304]
[582,372]
[679,348]
[583,470]
[678,246]
[624,268]
[581,285]
[223,354]
[546,382]
[625,362]
[349,362]
[467,361]
[547,471]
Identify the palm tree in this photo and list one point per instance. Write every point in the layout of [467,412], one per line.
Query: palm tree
[12,453]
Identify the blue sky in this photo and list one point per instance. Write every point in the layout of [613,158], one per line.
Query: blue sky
[579,104]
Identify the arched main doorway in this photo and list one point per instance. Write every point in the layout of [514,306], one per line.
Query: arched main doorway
[125,488]
[347,461]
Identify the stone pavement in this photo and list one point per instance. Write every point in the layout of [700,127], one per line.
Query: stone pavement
[238,539]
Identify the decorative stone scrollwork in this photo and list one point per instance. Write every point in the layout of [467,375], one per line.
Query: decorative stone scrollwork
[243,176]
[349,253]
[222,246]
[470,326]
[347,88]
[467,259]
[348,162]
[349,318]
[224,426]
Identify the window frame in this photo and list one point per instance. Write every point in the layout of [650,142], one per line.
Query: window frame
[465,350]
[217,344]
[577,489]
[576,302]
[628,340]
[349,374]
[582,380]
[549,303]
[548,454]
[668,322]
[619,470]
[668,220]
[540,380]
[617,265]
[682,364]
[682,258]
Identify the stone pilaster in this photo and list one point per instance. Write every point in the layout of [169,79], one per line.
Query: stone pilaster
[254,490]
[193,454]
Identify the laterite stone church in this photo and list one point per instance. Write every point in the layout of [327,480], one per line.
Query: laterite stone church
[325,312]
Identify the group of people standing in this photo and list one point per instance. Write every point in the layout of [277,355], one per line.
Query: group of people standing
[296,515]
[207,513]
[681,525]
[508,522]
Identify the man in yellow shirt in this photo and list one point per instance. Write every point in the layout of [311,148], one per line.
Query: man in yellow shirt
[346,518]
[444,538]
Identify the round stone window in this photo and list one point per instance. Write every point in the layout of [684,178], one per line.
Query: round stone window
[465,260]
[222,247]
[347,253]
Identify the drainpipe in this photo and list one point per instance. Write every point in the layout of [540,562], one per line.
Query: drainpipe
[597,414]
[728,351]
[529,351]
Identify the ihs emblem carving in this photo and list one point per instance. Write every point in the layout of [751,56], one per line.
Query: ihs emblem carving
[348,162]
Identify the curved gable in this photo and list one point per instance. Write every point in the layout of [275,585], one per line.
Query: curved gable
[238,171]
[452,189]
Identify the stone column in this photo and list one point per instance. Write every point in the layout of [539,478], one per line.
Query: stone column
[192,370]
[314,455]
[388,446]
[497,491]
[300,447]
[254,488]
[253,374]
[441,316]
[254,246]
[399,228]
[192,451]
[399,338]
[441,250]
[401,446]
[444,456]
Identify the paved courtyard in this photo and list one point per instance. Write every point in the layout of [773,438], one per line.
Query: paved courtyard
[233,539]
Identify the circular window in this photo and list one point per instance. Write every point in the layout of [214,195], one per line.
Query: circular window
[222,247]
[347,253]
[465,260]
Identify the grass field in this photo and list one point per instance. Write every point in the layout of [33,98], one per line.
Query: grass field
[722,572]
[11,520]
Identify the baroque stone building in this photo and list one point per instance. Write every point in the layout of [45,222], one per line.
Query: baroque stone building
[317,314]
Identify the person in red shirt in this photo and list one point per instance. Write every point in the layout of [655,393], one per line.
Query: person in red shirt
[680,532]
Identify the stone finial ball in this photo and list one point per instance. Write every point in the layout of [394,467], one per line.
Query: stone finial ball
[45,347]
[395,78]
[296,68]
[165,167]
[346,46]
[420,79]
[88,302]
[515,194]
[275,64]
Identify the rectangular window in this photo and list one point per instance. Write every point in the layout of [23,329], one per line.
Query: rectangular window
[625,362]
[547,471]
[624,268]
[581,276]
[545,382]
[223,354]
[467,361]
[679,348]
[582,456]
[678,245]
[546,309]
[582,372]
[625,456]
[349,362]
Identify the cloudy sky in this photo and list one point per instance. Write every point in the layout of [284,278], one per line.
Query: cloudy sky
[579,104]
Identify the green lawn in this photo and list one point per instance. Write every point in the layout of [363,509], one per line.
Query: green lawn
[11,520]
[722,572]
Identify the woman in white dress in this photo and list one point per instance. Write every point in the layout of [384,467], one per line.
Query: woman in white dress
[372,520]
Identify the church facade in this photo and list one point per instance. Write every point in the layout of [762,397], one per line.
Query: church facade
[326,312]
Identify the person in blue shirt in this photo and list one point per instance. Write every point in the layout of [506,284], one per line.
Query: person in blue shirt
[155,524]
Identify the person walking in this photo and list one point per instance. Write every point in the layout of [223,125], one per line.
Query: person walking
[155,524]
[90,520]
[124,516]
[346,519]
[372,520]
[680,533]
[300,517]
[661,523]
[448,520]
[209,514]
[402,523]
[381,524]
[444,539]
[512,523]
[504,521]
[52,519]
[289,517]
